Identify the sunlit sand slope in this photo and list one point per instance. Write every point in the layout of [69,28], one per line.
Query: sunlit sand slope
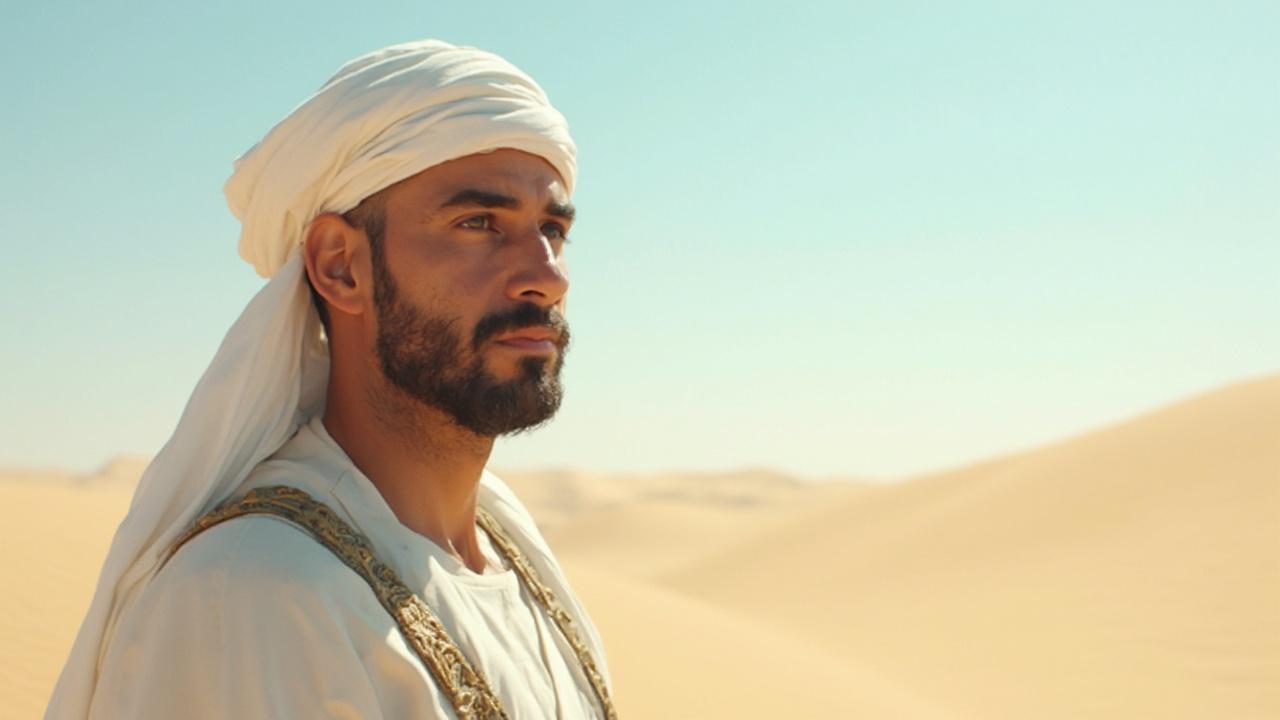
[1132,572]
[55,530]
[641,526]
[672,656]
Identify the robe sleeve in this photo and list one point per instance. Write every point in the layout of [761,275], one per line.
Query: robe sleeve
[251,619]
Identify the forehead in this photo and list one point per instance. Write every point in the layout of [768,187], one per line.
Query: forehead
[510,172]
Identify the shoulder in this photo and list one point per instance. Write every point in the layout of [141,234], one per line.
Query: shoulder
[252,603]
[261,564]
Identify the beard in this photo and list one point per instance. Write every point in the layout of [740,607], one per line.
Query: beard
[433,361]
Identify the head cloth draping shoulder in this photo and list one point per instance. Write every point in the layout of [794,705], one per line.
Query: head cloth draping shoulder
[383,117]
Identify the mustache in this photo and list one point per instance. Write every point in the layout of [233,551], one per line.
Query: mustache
[526,315]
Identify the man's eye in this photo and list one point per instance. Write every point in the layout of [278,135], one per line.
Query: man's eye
[555,231]
[477,222]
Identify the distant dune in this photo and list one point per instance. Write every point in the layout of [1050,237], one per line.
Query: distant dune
[1128,573]
[1132,572]
[55,535]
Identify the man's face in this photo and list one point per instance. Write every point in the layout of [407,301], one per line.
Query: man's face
[469,289]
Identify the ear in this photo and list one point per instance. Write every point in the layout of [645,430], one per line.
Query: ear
[330,251]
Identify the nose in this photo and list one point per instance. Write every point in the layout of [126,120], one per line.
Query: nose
[540,276]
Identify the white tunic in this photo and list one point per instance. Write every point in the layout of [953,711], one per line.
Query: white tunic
[254,619]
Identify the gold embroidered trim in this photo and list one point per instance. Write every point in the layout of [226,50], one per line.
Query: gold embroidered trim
[466,687]
[547,599]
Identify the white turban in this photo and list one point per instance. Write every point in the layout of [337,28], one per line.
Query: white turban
[382,118]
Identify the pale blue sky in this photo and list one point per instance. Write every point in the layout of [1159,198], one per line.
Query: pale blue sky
[832,238]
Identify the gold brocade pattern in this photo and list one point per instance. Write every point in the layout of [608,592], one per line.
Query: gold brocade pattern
[467,689]
[547,599]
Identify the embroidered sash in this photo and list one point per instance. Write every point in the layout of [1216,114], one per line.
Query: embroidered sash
[466,687]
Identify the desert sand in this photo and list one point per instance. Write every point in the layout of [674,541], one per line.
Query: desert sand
[1131,572]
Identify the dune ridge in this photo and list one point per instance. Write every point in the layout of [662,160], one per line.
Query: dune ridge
[1139,565]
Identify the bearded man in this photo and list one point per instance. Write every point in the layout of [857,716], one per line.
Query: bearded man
[320,537]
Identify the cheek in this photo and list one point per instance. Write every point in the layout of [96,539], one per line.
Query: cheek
[463,269]
[437,279]
[467,281]
[462,294]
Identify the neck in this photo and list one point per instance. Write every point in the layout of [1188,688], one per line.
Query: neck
[426,467]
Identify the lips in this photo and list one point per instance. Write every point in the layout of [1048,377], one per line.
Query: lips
[533,339]
[533,334]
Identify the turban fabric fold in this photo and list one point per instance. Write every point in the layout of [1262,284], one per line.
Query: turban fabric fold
[383,117]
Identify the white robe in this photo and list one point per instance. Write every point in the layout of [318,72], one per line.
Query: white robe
[254,619]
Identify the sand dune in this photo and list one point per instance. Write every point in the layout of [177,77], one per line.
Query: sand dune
[672,656]
[1132,572]
[55,530]
[641,526]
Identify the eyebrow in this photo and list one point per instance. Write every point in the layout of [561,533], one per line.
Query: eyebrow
[564,211]
[489,199]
